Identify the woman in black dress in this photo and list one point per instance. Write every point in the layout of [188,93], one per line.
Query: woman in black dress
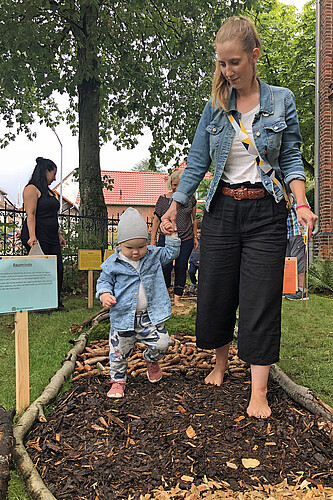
[41,223]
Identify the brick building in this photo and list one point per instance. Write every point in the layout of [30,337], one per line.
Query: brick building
[323,241]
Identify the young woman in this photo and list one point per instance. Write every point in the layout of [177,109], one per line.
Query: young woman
[243,235]
[41,224]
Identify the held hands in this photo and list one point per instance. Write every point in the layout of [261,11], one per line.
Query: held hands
[168,220]
[305,217]
[107,300]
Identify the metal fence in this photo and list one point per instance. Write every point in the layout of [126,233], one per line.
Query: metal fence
[72,228]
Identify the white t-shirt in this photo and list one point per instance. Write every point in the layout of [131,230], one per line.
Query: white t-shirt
[240,165]
[142,297]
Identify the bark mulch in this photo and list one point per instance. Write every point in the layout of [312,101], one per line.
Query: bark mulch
[180,438]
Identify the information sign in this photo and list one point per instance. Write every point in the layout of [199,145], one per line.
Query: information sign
[89,260]
[107,253]
[28,283]
[290,277]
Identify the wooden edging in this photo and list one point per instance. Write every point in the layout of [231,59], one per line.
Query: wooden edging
[23,462]
[301,394]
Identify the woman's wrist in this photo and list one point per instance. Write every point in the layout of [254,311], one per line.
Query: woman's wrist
[301,206]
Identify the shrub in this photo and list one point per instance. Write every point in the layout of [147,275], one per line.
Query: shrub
[321,276]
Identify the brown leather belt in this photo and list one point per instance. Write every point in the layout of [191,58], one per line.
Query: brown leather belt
[245,193]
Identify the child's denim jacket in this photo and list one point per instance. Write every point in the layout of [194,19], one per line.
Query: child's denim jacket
[122,280]
[275,132]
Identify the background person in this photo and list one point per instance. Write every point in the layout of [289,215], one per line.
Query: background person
[187,232]
[194,262]
[296,248]
[244,234]
[41,223]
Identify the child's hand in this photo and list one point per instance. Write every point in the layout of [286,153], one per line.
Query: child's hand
[168,227]
[107,300]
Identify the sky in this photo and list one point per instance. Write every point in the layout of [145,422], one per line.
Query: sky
[17,160]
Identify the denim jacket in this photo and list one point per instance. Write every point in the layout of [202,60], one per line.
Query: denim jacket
[275,132]
[122,280]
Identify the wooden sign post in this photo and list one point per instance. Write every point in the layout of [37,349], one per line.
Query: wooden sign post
[90,260]
[22,360]
[26,284]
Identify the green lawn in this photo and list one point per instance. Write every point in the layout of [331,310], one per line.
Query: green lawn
[307,344]
[306,349]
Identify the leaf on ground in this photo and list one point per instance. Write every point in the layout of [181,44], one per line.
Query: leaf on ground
[250,463]
[187,479]
[181,409]
[97,427]
[238,419]
[190,432]
[103,421]
[232,465]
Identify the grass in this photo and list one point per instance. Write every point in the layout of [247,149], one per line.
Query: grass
[48,344]
[306,350]
[307,344]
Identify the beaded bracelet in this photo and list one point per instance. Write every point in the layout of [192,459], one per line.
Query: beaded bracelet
[300,206]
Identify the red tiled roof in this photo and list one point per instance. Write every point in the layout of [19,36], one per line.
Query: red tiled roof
[134,188]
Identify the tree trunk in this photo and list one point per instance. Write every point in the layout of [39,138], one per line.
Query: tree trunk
[92,202]
[6,448]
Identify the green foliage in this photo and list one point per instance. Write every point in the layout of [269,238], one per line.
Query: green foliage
[288,60]
[152,64]
[147,165]
[321,276]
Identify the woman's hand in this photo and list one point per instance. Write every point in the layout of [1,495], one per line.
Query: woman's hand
[107,300]
[168,220]
[32,241]
[195,243]
[305,217]
[62,240]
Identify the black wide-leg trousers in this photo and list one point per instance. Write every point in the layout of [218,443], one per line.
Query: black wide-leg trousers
[242,253]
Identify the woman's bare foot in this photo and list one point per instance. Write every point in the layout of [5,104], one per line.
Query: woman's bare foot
[177,301]
[258,407]
[215,377]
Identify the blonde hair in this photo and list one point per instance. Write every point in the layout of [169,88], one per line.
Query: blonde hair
[176,174]
[242,29]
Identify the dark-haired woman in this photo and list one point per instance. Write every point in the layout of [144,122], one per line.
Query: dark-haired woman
[41,224]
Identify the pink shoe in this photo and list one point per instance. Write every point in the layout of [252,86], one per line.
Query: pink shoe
[117,390]
[154,372]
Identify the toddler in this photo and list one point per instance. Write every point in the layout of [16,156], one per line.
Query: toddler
[132,285]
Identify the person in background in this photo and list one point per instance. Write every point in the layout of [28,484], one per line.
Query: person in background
[296,248]
[41,223]
[132,286]
[194,262]
[187,231]
[249,130]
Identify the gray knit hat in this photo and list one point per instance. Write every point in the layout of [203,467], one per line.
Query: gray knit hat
[131,225]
